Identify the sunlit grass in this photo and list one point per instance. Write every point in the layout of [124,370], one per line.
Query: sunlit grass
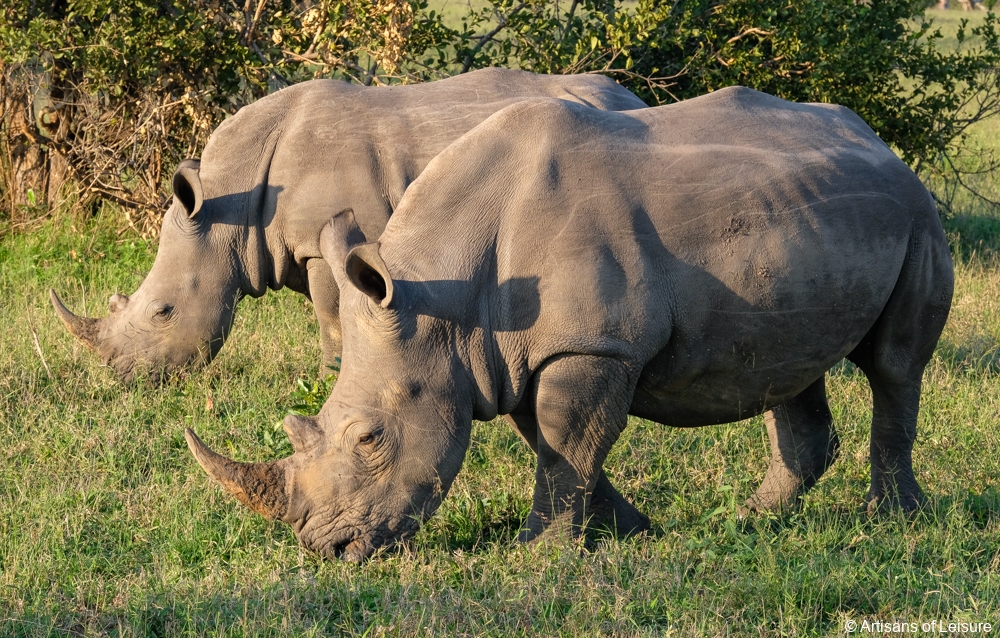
[109,527]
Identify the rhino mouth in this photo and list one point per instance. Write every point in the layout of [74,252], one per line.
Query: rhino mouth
[356,545]
[121,365]
[350,545]
[148,364]
[130,367]
[352,549]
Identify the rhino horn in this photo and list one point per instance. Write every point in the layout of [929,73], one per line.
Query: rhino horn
[83,328]
[259,486]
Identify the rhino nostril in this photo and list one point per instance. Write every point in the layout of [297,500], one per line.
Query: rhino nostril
[117,302]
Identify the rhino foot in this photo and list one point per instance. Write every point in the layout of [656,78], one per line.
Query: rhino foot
[610,510]
[779,492]
[899,492]
[803,445]
[561,530]
[607,509]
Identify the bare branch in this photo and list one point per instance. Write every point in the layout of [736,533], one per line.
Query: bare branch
[38,347]
[269,66]
[748,32]
[370,74]
[569,19]
[256,18]
[324,11]
[504,20]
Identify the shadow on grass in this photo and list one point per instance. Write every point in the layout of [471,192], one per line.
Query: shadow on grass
[983,508]
[474,524]
[295,606]
[974,237]
[980,354]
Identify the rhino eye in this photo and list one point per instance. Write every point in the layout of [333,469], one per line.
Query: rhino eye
[164,311]
[366,438]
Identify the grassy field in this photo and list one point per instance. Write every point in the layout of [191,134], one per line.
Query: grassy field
[109,527]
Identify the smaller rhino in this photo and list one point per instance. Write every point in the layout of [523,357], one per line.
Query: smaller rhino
[690,264]
[246,218]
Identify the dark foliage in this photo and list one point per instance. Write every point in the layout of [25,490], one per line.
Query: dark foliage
[108,97]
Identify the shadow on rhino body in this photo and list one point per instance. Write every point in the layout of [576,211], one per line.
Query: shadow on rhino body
[302,489]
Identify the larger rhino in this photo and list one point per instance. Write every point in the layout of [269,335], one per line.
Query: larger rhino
[691,264]
[247,217]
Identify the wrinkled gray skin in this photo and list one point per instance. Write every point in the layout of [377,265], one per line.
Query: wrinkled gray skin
[247,217]
[691,264]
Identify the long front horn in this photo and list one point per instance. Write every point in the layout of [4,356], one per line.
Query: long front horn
[259,486]
[83,328]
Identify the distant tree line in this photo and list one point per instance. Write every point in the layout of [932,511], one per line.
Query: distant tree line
[100,99]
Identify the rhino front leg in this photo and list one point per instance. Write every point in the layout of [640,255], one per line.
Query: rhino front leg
[581,407]
[803,445]
[607,507]
[326,302]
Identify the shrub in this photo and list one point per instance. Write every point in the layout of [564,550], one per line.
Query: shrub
[109,96]
[882,59]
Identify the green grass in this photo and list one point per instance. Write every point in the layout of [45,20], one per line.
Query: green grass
[454,10]
[109,528]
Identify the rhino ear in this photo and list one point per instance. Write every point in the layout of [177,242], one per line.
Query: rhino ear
[339,236]
[342,242]
[366,270]
[187,186]
[302,432]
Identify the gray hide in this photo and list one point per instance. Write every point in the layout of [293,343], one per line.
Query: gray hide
[691,264]
[247,217]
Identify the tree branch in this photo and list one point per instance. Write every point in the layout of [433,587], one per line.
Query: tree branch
[569,19]
[504,21]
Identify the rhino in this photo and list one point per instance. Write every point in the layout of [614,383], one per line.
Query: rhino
[247,217]
[691,264]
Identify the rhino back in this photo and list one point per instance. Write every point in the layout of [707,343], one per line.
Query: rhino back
[323,146]
[734,243]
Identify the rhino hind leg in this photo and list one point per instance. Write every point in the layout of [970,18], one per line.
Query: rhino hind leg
[803,445]
[580,408]
[894,429]
[606,508]
[893,356]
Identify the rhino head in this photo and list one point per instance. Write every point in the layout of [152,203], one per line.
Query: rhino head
[182,312]
[383,451]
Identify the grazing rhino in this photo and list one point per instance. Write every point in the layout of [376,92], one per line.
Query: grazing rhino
[690,264]
[247,217]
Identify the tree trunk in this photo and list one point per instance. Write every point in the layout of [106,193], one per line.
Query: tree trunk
[32,128]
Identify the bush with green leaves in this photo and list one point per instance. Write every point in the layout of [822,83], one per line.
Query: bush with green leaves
[881,58]
[110,96]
